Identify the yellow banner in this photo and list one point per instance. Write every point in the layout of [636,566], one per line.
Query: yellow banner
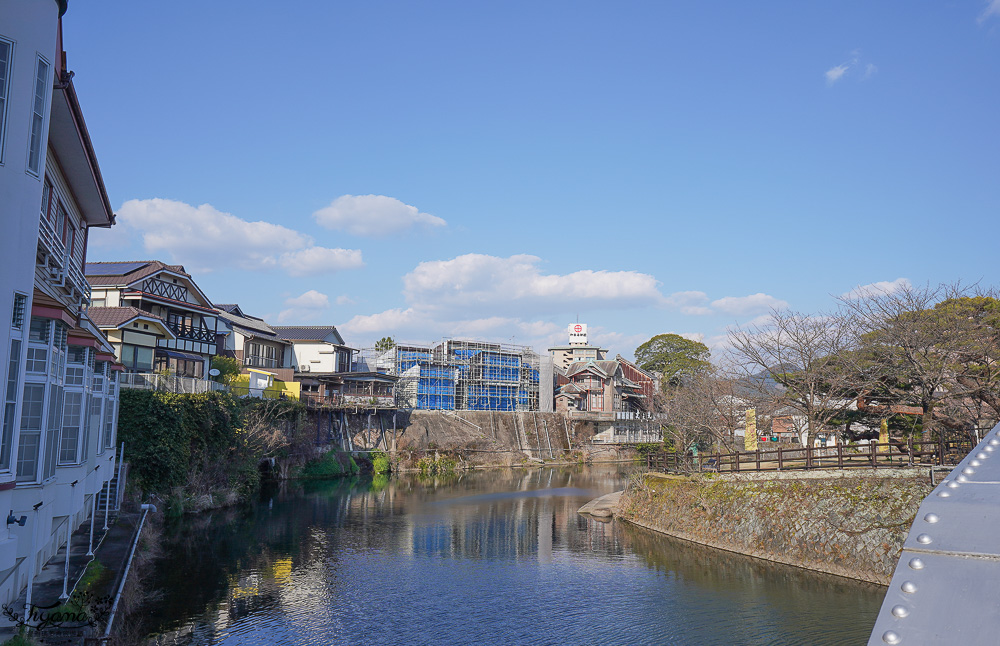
[750,434]
[883,437]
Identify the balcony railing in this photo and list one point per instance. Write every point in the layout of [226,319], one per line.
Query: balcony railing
[52,245]
[255,361]
[164,383]
[192,333]
[63,269]
[158,287]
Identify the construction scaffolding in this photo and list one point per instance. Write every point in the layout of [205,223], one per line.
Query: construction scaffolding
[460,375]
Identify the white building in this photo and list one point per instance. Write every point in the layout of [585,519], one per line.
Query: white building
[59,414]
[577,350]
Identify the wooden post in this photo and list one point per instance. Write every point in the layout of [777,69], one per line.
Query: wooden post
[809,455]
[840,456]
[758,458]
[873,449]
[736,463]
[779,459]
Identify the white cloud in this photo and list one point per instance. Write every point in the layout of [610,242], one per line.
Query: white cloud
[838,72]
[204,239]
[744,305]
[834,74]
[992,9]
[373,215]
[883,287]
[691,302]
[320,260]
[303,308]
[482,281]
[344,299]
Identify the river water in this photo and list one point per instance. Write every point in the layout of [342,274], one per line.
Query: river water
[487,557]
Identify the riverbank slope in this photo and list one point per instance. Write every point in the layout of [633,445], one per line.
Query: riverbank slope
[847,523]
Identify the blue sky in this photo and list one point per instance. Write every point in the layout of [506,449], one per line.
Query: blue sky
[497,170]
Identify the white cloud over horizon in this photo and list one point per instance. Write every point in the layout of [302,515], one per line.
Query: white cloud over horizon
[304,308]
[884,287]
[373,215]
[510,299]
[516,282]
[746,305]
[204,239]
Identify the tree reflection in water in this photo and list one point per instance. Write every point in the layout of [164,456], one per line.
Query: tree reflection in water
[498,556]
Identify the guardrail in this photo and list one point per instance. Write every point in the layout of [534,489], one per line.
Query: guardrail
[874,455]
[166,383]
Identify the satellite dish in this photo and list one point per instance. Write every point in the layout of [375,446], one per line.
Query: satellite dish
[214,372]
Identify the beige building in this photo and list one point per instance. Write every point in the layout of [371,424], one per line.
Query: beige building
[578,349]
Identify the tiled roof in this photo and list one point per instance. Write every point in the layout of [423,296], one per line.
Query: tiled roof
[249,323]
[569,389]
[109,317]
[606,367]
[232,308]
[307,333]
[117,273]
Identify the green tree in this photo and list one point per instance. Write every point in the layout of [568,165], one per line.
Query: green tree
[385,344]
[674,357]
[228,367]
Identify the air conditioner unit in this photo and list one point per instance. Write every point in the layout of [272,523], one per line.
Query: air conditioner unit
[305,367]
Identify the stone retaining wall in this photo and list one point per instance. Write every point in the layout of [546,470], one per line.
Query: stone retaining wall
[847,523]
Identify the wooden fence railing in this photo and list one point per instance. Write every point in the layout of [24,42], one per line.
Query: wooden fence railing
[874,455]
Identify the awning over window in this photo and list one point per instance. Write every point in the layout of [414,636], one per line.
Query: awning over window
[160,352]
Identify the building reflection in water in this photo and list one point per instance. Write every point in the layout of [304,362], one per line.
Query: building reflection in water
[311,560]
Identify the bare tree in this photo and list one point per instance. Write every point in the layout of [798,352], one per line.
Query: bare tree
[709,406]
[938,348]
[807,362]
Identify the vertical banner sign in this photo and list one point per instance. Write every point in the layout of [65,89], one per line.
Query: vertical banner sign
[750,434]
[883,437]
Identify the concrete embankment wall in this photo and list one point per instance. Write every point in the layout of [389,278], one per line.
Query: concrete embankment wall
[847,523]
[477,437]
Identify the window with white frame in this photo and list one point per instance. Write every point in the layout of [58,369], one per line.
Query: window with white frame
[17,316]
[38,115]
[42,406]
[93,422]
[101,395]
[13,386]
[6,55]
[75,406]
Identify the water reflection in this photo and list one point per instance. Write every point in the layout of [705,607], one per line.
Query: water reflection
[491,556]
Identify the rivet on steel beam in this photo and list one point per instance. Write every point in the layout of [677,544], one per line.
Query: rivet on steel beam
[994,441]
[989,449]
[968,471]
[961,478]
[952,485]
[909,587]
[943,494]
[916,564]
[923,539]
[900,611]
[890,637]
[982,456]
[974,463]
[931,518]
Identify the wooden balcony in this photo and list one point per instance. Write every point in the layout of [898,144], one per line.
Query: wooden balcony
[158,287]
[192,333]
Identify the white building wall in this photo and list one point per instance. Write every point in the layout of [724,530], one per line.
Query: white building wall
[320,357]
[30,28]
